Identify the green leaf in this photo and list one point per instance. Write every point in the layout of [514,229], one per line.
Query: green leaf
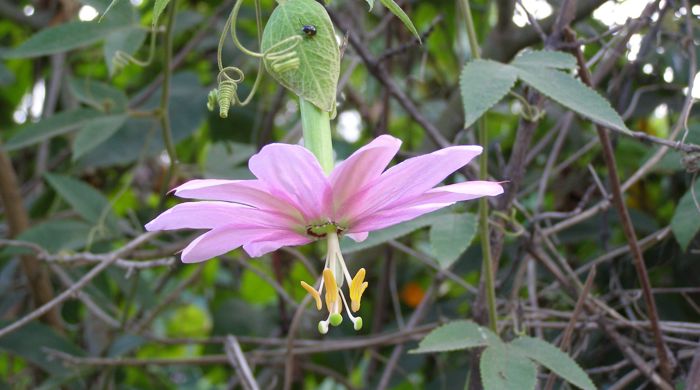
[545,58]
[685,223]
[99,95]
[52,126]
[396,10]
[95,133]
[138,137]
[113,11]
[391,233]
[451,236]
[158,9]
[29,343]
[503,367]
[62,38]
[456,335]
[483,83]
[316,77]
[554,359]
[83,198]
[571,93]
[56,235]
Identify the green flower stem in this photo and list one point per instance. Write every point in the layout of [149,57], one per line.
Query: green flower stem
[316,125]
[487,267]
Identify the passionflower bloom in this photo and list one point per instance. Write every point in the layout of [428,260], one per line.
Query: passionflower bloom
[293,202]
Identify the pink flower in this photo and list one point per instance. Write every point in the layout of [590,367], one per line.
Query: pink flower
[292,202]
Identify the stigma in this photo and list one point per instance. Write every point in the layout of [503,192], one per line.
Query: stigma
[335,273]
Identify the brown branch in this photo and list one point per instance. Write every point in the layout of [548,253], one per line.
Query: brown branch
[628,227]
[37,275]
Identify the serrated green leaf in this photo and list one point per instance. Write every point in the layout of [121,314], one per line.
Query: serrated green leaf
[158,9]
[84,199]
[52,126]
[391,233]
[99,95]
[456,335]
[396,10]
[483,83]
[546,58]
[62,38]
[554,359]
[502,367]
[451,236]
[685,223]
[95,133]
[316,77]
[571,93]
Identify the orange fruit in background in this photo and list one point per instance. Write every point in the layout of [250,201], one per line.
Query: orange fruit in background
[412,294]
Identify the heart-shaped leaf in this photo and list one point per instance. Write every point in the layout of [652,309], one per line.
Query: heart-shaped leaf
[315,78]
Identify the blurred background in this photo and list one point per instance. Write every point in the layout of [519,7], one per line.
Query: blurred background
[83,166]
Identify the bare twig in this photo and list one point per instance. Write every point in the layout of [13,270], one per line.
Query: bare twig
[628,228]
[235,356]
[48,306]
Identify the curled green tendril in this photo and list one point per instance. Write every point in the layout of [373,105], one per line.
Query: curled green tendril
[281,57]
[121,58]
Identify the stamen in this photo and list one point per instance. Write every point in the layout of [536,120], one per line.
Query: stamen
[357,287]
[332,302]
[323,327]
[315,294]
[356,321]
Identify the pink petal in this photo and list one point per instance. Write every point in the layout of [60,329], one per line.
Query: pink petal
[432,200]
[211,214]
[461,191]
[273,242]
[221,240]
[409,179]
[359,236]
[292,173]
[362,167]
[386,218]
[248,192]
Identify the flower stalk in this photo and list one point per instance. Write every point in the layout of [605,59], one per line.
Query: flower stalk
[487,266]
[316,128]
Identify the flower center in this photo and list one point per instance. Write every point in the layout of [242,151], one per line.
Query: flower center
[323,229]
[335,272]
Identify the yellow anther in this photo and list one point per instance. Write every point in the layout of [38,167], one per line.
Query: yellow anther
[313,293]
[333,302]
[357,287]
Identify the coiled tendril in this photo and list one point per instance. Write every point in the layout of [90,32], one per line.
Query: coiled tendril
[280,57]
[121,58]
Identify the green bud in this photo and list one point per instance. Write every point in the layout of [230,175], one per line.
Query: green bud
[336,319]
[212,99]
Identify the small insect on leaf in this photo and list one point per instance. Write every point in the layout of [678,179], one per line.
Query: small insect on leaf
[309,30]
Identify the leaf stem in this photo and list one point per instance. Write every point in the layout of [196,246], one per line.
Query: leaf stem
[487,267]
[165,102]
[316,126]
